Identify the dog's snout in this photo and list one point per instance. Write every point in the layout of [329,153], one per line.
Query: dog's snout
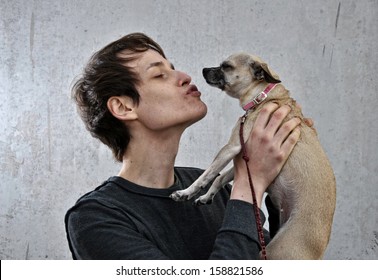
[214,76]
[205,71]
[209,72]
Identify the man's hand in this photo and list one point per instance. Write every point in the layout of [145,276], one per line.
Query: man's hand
[269,145]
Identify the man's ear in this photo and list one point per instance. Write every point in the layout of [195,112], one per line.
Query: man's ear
[122,107]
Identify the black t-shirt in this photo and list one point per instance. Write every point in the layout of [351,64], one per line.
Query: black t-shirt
[122,220]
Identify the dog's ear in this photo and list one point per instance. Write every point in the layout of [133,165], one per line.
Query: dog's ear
[262,71]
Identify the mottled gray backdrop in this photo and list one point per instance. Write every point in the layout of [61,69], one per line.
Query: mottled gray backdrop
[325,52]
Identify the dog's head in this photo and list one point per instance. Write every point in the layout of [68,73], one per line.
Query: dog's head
[238,73]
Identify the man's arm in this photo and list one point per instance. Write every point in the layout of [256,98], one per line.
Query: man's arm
[237,239]
[270,143]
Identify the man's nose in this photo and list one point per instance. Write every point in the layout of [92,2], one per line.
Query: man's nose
[183,79]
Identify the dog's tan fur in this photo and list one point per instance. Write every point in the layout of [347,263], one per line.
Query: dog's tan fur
[305,189]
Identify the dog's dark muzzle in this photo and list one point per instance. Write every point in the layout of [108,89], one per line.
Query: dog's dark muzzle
[214,77]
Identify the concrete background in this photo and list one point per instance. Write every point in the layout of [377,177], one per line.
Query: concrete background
[325,52]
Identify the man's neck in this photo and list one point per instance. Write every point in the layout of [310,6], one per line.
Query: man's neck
[150,158]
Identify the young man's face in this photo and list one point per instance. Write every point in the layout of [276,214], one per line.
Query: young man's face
[167,97]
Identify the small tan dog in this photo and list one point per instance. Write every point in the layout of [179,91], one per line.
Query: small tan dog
[305,189]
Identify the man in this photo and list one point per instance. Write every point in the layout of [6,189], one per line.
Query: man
[133,100]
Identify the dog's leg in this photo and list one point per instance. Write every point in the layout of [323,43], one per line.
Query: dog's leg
[226,154]
[218,184]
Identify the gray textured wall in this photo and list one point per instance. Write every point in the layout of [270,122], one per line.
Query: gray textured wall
[325,52]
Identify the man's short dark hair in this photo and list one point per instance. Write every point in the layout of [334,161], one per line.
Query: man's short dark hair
[107,75]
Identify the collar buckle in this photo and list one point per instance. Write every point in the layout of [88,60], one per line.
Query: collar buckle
[259,98]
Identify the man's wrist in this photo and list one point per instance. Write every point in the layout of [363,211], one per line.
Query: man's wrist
[241,190]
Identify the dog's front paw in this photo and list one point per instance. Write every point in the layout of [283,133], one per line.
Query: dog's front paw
[179,196]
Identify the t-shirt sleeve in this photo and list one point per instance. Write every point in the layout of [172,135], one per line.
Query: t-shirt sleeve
[238,236]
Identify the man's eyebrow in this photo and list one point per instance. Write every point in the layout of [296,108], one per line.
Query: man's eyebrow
[159,63]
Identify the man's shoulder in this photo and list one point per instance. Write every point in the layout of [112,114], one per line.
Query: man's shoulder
[104,195]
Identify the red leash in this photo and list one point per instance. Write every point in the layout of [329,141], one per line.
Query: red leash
[255,207]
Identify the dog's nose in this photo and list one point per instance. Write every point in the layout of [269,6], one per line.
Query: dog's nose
[205,71]
[212,73]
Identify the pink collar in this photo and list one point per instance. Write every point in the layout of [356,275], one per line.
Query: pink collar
[259,98]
